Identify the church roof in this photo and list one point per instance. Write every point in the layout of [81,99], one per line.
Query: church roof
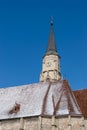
[81,97]
[43,98]
[51,49]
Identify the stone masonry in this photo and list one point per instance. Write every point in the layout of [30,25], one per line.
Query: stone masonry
[45,123]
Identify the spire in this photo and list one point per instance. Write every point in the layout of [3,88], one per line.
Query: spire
[51,60]
[51,49]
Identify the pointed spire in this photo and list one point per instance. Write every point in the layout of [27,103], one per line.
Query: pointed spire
[51,49]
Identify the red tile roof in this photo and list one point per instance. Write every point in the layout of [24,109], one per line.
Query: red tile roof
[81,97]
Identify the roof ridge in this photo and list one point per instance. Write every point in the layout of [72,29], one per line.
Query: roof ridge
[72,95]
[45,98]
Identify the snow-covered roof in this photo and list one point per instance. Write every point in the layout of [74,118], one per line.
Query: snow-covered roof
[43,98]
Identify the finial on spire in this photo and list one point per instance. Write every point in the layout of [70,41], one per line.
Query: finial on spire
[51,21]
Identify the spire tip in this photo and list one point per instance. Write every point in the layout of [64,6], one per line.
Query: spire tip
[51,21]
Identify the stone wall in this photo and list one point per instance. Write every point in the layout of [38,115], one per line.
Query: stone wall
[10,124]
[42,123]
[50,68]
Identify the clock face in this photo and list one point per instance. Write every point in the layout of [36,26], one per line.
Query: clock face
[48,64]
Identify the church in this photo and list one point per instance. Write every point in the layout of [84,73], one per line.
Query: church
[50,104]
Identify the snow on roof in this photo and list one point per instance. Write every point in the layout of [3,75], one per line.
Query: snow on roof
[43,98]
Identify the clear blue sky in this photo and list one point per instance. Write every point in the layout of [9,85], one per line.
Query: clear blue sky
[24,32]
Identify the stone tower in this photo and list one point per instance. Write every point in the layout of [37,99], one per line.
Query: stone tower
[51,60]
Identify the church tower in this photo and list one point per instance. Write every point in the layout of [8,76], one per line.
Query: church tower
[51,60]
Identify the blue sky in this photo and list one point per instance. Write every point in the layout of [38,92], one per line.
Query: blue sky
[24,32]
